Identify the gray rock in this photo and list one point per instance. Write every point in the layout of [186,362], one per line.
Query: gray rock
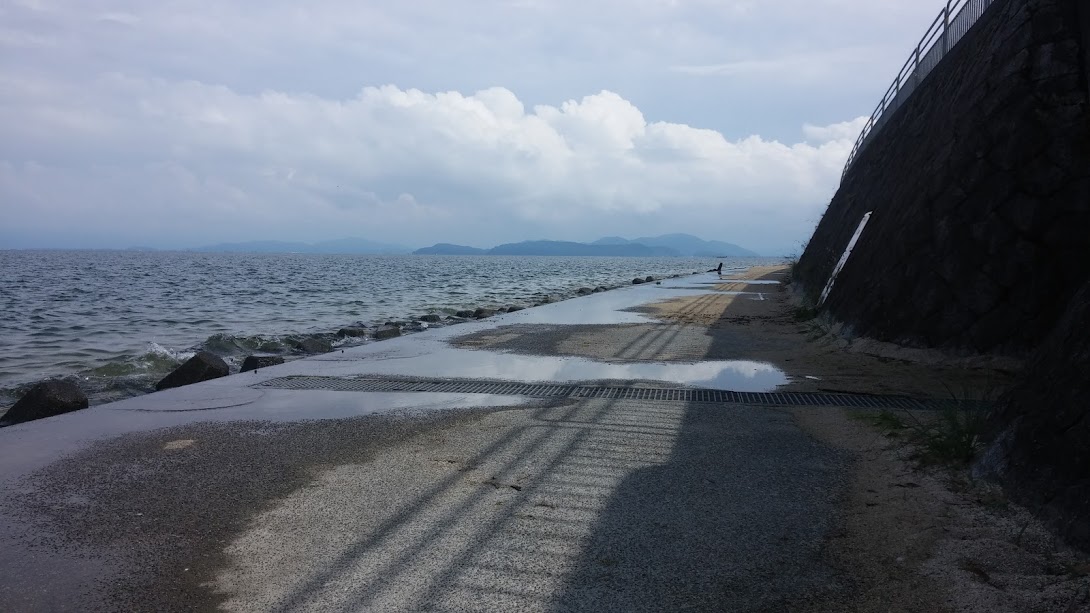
[649,279]
[513,308]
[600,289]
[352,332]
[464,314]
[253,362]
[482,313]
[46,399]
[313,345]
[637,281]
[201,367]
[386,332]
[583,291]
[430,318]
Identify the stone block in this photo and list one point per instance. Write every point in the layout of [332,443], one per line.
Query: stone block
[254,362]
[202,367]
[46,399]
[386,332]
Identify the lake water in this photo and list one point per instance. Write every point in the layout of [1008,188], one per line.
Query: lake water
[120,320]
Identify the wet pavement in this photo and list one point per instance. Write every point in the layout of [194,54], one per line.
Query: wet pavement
[121,484]
[425,354]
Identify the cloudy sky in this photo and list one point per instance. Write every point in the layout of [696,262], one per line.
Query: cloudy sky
[178,123]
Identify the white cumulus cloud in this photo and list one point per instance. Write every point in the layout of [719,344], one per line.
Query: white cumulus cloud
[426,164]
[845,130]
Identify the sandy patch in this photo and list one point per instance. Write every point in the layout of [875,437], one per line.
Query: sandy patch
[768,325]
[760,326]
[178,444]
[912,539]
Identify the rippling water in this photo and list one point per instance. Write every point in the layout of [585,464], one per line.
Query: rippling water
[121,320]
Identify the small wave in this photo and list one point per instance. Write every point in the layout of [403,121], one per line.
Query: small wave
[155,362]
[159,359]
[223,344]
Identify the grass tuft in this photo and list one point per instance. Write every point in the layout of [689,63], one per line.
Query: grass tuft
[888,422]
[804,313]
[953,436]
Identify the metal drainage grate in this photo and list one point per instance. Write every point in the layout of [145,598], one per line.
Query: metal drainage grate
[547,390]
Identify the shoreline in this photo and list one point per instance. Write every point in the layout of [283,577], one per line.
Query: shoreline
[136,375]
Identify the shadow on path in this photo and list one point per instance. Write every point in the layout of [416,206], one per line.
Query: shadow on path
[732,520]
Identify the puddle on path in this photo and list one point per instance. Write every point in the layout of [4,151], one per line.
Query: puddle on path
[604,308]
[440,360]
[429,355]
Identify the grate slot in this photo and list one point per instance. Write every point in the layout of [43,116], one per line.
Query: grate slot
[545,390]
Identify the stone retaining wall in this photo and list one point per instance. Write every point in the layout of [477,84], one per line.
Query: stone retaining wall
[980,187]
[979,241]
[1084,26]
[1042,452]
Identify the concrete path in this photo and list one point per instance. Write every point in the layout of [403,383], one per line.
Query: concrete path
[236,496]
[594,506]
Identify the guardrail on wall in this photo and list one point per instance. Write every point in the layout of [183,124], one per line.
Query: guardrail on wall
[955,19]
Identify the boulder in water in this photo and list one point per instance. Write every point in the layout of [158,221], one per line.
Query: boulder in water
[482,313]
[583,291]
[351,331]
[431,318]
[253,362]
[649,279]
[464,314]
[313,345]
[46,399]
[201,367]
[513,308]
[637,281]
[386,332]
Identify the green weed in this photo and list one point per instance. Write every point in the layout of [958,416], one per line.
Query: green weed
[955,436]
[888,422]
[804,313]
[952,436]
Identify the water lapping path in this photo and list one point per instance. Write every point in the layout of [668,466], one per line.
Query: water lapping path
[119,320]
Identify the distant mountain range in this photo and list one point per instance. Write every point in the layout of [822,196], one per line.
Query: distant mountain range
[342,245]
[684,244]
[449,249]
[549,248]
[648,246]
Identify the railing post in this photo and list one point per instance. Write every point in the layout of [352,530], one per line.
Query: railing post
[916,71]
[946,27]
[966,13]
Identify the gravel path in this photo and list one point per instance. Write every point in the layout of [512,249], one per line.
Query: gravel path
[574,505]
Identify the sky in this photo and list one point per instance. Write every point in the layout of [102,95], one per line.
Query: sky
[181,123]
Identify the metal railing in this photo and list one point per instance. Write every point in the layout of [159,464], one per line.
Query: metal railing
[955,19]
